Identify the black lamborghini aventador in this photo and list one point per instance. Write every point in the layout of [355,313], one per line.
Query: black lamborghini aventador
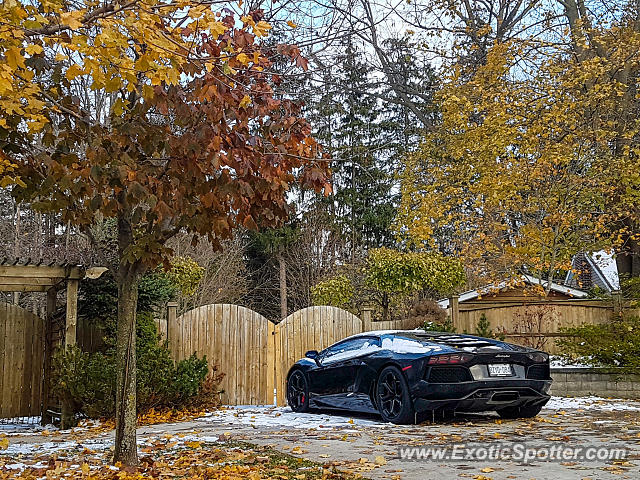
[400,373]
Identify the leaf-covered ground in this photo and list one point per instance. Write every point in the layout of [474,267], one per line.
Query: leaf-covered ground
[267,442]
[165,457]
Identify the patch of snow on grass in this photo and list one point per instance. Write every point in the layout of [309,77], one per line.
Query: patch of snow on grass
[557,361]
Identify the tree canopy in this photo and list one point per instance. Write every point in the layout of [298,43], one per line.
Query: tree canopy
[162,116]
[535,157]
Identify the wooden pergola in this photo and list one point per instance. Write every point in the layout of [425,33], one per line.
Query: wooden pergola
[28,276]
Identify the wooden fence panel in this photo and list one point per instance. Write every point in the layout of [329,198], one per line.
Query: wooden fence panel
[255,355]
[21,362]
[238,341]
[504,316]
[312,328]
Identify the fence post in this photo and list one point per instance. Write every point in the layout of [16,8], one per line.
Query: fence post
[616,295]
[366,316]
[45,417]
[455,311]
[172,314]
[67,419]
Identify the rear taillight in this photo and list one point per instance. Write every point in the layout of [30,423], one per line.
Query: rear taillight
[450,359]
[538,357]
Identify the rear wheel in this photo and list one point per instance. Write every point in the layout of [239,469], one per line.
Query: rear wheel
[298,392]
[528,411]
[392,397]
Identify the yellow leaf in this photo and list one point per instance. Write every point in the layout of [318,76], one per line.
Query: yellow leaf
[14,58]
[33,49]
[85,469]
[73,71]
[486,470]
[291,24]
[217,28]
[245,102]
[72,19]
[380,460]
[261,28]
[243,59]
[4,443]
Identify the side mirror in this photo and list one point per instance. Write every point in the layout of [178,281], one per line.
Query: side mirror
[312,354]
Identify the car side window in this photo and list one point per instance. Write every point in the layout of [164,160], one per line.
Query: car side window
[350,348]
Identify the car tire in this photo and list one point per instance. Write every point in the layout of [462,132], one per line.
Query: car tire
[528,411]
[392,397]
[298,391]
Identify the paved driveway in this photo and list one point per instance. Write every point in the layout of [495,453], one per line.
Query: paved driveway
[370,447]
[365,445]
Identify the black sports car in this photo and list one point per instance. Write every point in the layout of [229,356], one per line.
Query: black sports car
[400,373]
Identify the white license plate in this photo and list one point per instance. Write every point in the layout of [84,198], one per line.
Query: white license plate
[500,370]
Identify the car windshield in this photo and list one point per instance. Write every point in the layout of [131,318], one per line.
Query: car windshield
[350,348]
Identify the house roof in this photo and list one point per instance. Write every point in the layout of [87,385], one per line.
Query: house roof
[603,268]
[530,279]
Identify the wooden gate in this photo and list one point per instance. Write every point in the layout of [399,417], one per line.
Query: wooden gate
[312,328]
[236,339]
[252,352]
[21,362]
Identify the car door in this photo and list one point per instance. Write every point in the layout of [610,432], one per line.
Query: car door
[338,367]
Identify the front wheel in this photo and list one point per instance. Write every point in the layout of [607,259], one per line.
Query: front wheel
[528,411]
[298,392]
[392,397]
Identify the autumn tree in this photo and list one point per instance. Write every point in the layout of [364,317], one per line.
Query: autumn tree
[391,280]
[160,116]
[536,155]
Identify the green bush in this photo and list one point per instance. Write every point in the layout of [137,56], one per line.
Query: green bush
[87,380]
[483,329]
[613,344]
[444,326]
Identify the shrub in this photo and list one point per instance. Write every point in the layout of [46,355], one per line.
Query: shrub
[613,344]
[483,329]
[87,380]
[444,326]
[533,323]
[84,381]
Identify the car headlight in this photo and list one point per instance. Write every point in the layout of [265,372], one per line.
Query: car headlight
[538,357]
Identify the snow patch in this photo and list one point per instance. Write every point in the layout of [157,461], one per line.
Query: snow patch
[284,417]
[556,361]
[592,403]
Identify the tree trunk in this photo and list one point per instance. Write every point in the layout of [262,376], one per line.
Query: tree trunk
[126,417]
[628,260]
[283,286]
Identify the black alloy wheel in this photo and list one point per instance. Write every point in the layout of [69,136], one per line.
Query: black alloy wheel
[392,397]
[298,392]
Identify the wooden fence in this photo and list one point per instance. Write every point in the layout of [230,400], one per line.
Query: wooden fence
[509,315]
[253,353]
[21,362]
[236,339]
[312,328]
